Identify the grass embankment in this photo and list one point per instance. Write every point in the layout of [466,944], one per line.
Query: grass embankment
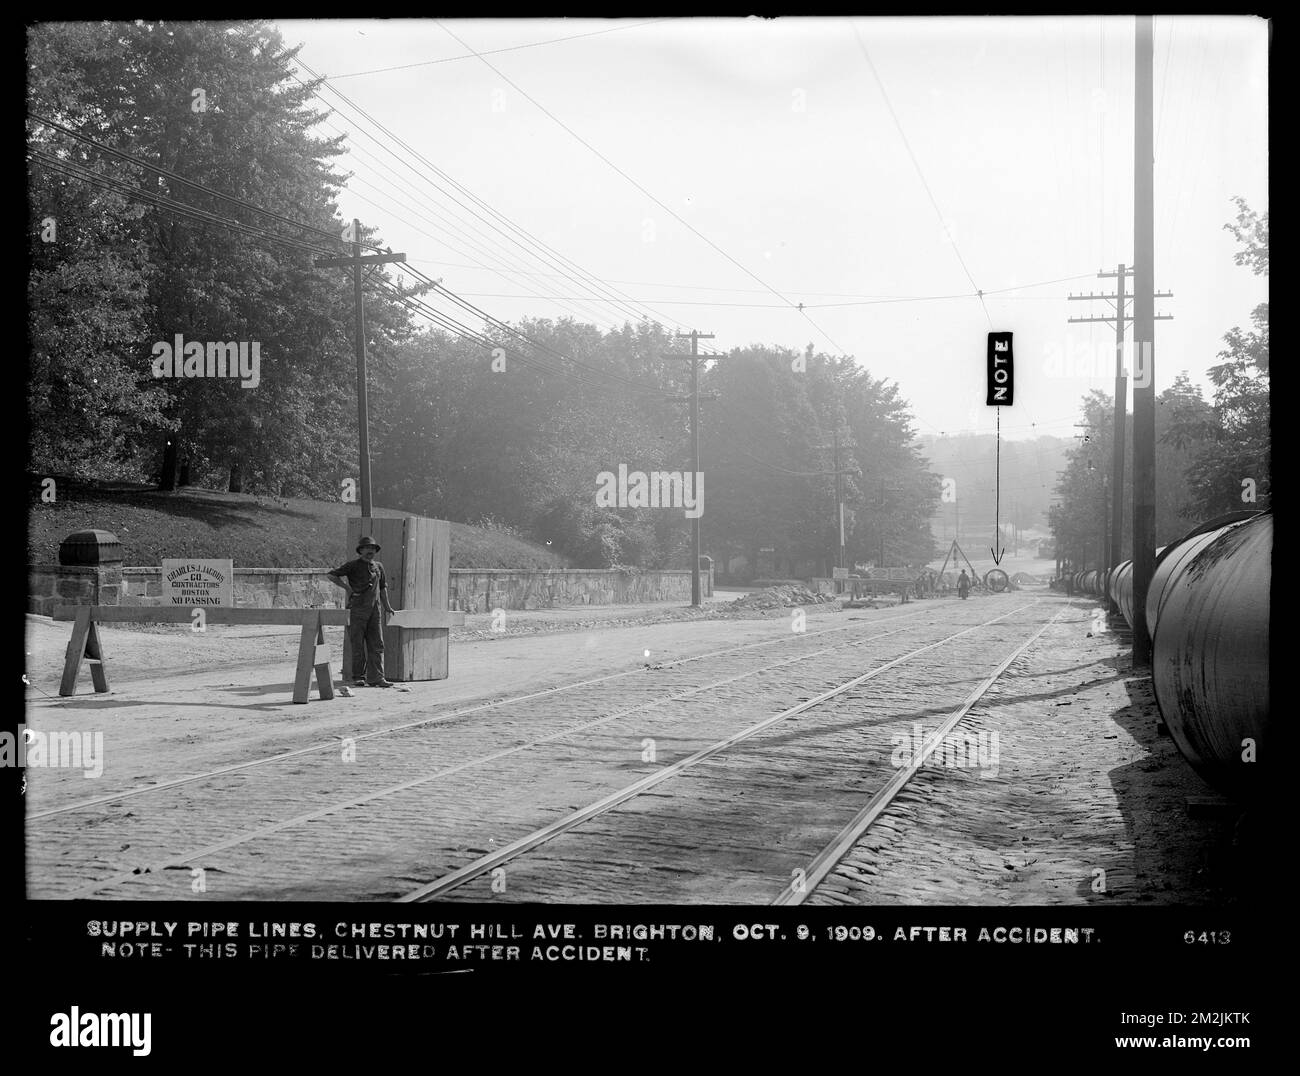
[253,531]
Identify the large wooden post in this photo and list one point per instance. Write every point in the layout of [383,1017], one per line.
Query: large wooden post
[1144,341]
[416,555]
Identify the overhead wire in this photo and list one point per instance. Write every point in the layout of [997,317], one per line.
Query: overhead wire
[425,178]
[920,174]
[786,302]
[499,271]
[176,177]
[438,318]
[583,310]
[1199,170]
[193,213]
[1102,178]
[443,320]
[547,255]
[1187,126]
[508,262]
[74,170]
[687,287]
[1054,136]
[659,202]
[493,52]
[862,302]
[204,217]
[1164,82]
[413,304]
[505,327]
[157,199]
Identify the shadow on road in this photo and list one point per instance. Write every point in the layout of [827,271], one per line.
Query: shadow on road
[1173,858]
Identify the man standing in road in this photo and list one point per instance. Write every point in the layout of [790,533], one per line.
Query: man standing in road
[963,584]
[367,588]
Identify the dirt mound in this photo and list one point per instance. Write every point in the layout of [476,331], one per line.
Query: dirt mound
[785,596]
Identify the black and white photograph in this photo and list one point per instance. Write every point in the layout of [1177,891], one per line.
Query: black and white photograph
[612,498]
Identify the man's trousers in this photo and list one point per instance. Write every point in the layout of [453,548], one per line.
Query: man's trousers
[366,633]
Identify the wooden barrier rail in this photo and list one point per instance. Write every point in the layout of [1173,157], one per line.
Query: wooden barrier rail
[877,586]
[313,651]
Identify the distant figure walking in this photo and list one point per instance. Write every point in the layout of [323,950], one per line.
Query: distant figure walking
[963,585]
[366,585]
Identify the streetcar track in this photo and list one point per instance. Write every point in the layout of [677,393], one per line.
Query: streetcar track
[798,891]
[561,734]
[577,817]
[330,745]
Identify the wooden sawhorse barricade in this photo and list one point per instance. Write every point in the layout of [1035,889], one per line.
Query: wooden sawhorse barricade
[313,651]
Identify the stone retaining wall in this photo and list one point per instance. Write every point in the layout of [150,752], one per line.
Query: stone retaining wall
[481,590]
[473,590]
[52,585]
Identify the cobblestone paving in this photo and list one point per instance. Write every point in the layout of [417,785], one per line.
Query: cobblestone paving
[68,851]
[734,828]
[1083,785]
[1086,806]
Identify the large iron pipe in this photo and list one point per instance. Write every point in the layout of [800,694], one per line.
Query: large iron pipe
[1178,553]
[1210,651]
[1120,588]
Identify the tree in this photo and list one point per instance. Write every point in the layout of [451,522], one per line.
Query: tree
[769,455]
[1079,522]
[86,291]
[1237,466]
[522,439]
[217,104]
[1181,403]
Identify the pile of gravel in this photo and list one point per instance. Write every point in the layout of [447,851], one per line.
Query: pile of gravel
[781,597]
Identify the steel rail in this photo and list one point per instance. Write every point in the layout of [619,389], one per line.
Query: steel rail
[576,818]
[332,745]
[357,801]
[798,890]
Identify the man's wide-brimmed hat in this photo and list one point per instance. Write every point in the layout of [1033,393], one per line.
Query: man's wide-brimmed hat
[367,540]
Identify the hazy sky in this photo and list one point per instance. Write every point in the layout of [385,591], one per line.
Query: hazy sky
[774,141]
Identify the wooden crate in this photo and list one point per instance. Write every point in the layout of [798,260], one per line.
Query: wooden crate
[416,555]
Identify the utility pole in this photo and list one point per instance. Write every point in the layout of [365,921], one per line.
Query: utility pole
[1087,440]
[839,487]
[883,491]
[1065,542]
[839,491]
[1121,406]
[1120,317]
[1144,339]
[695,338]
[363,420]
[1104,558]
